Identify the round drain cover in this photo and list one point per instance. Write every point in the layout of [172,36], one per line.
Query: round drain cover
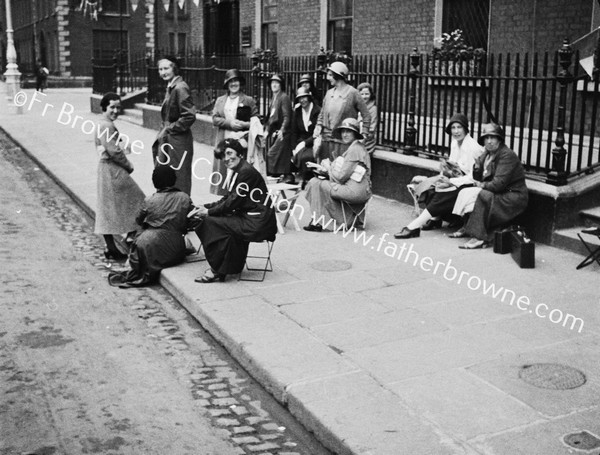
[552,376]
[331,265]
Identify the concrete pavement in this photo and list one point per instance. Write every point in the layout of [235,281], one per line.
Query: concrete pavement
[378,346]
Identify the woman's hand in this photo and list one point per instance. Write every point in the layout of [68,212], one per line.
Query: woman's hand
[280,135]
[444,179]
[299,147]
[198,212]
[237,125]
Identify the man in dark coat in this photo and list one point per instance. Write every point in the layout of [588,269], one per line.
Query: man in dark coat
[504,195]
[244,215]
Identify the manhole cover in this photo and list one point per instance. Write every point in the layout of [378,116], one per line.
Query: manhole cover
[582,441]
[552,376]
[331,265]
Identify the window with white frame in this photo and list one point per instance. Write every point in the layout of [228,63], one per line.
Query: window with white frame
[339,25]
[269,24]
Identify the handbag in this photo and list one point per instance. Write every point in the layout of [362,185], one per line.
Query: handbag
[243,113]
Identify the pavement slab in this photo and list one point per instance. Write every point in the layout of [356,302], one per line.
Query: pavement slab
[464,404]
[374,352]
[582,354]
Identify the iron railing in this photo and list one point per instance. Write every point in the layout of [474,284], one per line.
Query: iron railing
[548,109]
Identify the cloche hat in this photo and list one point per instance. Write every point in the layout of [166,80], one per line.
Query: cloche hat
[303,92]
[347,124]
[461,119]
[233,74]
[491,129]
[339,68]
[305,78]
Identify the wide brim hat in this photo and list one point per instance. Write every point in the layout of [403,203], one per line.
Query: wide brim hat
[491,129]
[233,74]
[347,124]
[461,119]
[339,68]
[302,92]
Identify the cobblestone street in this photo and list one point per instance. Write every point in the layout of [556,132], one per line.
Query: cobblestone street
[85,368]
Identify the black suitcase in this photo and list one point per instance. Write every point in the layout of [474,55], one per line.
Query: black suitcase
[522,249]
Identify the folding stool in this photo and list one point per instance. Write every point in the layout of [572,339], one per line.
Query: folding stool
[268,265]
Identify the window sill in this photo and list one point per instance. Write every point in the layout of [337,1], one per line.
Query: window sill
[454,81]
[587,86]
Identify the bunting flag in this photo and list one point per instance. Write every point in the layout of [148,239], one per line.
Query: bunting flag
[134,5]
[90,7]
[181,3]
[196,2]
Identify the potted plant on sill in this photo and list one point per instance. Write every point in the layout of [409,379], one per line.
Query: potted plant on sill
[453,57]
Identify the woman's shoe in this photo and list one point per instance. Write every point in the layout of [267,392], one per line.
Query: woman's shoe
[116,255]
[313,228]
[210,276]
[406,233]
[432,224]
[475,244]
[461,233]
[289,178]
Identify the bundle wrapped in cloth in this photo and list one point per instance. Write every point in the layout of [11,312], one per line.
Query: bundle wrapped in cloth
[451,169]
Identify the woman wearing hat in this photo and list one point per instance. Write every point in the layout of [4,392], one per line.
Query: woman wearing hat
[464,150]
[174,144]
[244,215]
[160,244]
[304,121]
[231,116]
[278,127]
[349,180]
[306,82]
[341,101]
[500,178]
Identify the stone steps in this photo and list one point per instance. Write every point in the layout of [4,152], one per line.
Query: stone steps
[134,116]
[567,239]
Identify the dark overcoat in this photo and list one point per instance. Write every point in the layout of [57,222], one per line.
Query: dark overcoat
[244,215]
[504,194]
[301,133]
[279,154]
[222,125]
[174,144]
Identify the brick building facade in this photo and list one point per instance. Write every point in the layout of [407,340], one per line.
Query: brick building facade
[58,33]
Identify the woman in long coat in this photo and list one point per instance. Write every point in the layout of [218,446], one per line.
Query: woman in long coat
[341,101]
[160,244]
[278,125]
[119,197]
[244,215]
[304,121]
[503,196]
[231,116]
[174,144]
[349,181]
